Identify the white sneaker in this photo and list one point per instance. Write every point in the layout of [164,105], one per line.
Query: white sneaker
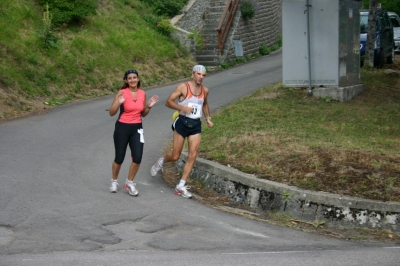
[157,167]
[114,186]
[130,186]
[183,191]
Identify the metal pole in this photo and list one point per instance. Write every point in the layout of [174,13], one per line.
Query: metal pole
[308,46]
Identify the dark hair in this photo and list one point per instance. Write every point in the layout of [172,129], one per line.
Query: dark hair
[130,71]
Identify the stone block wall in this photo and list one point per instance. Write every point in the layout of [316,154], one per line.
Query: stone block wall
[264,28]
[310,206]
[194,14]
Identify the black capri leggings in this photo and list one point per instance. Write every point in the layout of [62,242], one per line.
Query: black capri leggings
[125,134]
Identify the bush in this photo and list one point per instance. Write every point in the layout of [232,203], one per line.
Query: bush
[197,35]
[67,12]
[168,8]
[247,10]
[165,27]
[264,50]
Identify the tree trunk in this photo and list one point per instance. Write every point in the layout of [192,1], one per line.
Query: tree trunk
[369,49]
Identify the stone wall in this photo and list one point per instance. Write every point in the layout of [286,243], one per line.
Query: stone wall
[193,15]
[264,28]
[310,206]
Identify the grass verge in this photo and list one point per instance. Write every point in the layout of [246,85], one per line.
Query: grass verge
[282,134]
[81,61]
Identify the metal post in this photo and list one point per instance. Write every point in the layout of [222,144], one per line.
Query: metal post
[308,46]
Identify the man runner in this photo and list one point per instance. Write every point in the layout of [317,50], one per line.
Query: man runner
[192,104]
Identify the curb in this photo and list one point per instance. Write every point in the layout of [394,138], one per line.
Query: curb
[310,206]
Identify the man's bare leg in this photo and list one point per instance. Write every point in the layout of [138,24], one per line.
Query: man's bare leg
[177,146]
[193,145]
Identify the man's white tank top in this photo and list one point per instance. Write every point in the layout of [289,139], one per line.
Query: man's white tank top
[195,101]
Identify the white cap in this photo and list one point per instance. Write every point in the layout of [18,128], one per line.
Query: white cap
[198,68]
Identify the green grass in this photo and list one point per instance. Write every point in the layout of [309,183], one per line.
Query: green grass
[87,60]
[282,134]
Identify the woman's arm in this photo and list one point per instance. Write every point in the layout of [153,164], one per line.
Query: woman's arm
[118,100]
[152,101]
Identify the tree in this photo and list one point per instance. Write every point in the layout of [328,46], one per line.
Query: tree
[389,5]
[369,49]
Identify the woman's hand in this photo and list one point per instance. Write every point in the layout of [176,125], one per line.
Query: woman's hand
[152,101]
[121,97]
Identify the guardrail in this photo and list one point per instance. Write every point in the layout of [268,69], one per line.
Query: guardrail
[225,23]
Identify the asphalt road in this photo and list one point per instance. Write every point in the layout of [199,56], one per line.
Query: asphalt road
[55,208]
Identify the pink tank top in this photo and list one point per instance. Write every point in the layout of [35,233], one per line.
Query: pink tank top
[130,110]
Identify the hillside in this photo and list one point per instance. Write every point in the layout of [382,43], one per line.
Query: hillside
[87,61]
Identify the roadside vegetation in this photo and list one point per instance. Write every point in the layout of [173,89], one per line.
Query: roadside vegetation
[389,5]
[48,60]
[284,135]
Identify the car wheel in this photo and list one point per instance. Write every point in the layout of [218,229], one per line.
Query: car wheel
[381,59]
[390,59]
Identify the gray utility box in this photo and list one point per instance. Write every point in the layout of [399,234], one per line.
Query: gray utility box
[334,43]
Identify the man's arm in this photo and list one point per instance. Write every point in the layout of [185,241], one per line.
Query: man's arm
[178,92]
[206,108]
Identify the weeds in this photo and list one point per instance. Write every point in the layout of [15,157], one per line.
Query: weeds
[247,9]
[285,195]
[47,35]
[197,35]
[165,27]
[265,50]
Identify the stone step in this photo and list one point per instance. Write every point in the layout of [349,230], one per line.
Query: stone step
[216,8]
[208,63]
[206,57]
[209,55]
[214,15]
[208,52]
[210,27]
[210,45]
[210,32]
[211,41]
[217,3]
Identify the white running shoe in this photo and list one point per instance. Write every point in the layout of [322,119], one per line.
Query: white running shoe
[183,191]
[114,186]
[157,167]
[130,186]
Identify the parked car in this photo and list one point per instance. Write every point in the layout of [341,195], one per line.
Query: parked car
[384,38]
[395,19]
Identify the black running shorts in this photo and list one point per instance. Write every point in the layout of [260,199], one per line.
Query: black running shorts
[185,131]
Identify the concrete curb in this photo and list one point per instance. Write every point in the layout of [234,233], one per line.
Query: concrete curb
[311,206]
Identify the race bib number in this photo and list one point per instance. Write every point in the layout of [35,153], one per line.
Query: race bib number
[196,112]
